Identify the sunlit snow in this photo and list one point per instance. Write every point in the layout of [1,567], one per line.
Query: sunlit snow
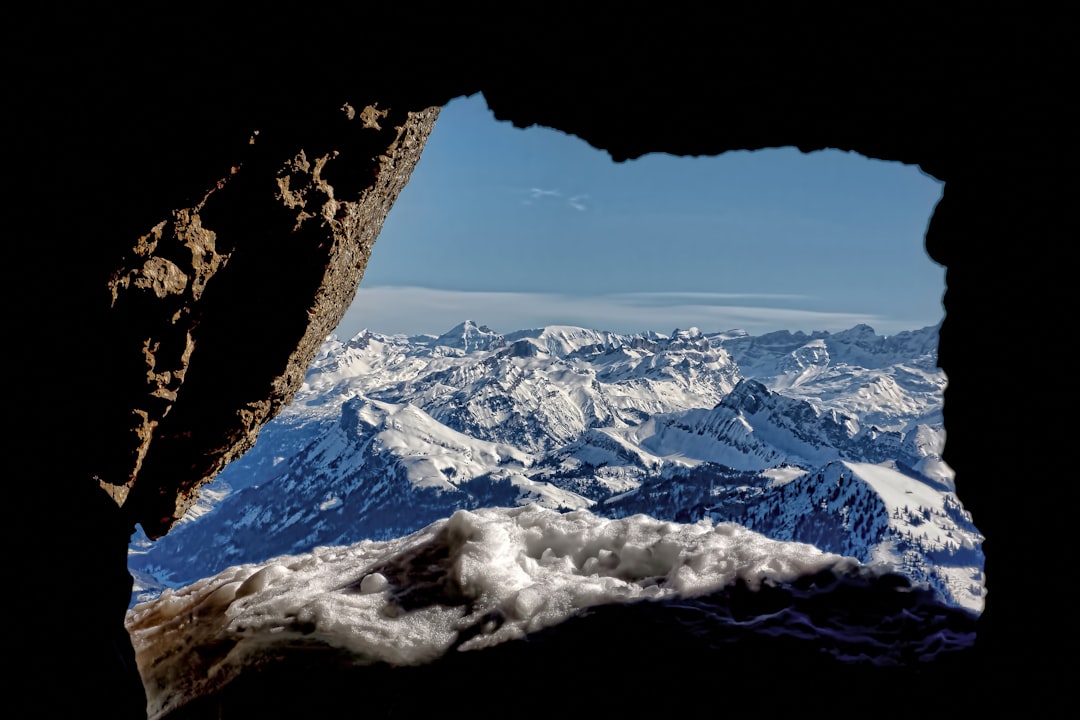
[496,573]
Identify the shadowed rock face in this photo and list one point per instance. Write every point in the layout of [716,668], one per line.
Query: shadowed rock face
[192,200]
[274,250]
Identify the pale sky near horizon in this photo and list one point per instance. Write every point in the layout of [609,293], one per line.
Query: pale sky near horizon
[518,229]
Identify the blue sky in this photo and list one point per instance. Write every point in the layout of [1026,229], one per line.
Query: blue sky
[518,229]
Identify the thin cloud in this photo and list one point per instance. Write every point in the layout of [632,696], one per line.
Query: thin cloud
[578,202]
[417,310]
[680,297]
[536,193]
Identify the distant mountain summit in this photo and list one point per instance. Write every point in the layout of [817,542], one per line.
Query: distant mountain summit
[469,336]
[808,437]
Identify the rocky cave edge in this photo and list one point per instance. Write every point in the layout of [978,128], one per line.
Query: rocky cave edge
[193,199]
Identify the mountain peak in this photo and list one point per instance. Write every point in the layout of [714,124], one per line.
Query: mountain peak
[469,336]
[748,395]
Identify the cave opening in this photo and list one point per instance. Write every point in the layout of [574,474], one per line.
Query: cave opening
[474,287]
[818,242]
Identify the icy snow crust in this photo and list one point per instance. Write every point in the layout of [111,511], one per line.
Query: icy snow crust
[471,581]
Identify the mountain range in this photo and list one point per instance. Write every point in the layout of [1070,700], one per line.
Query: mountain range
[833,439]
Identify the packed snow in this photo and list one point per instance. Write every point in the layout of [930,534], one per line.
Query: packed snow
[493,575]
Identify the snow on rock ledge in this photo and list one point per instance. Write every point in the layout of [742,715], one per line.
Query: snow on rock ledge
[471,581]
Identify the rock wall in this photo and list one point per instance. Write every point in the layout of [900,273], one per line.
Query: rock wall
[192,199]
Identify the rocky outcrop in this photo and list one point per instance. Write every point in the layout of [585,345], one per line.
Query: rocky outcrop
[267,237]
[192,199]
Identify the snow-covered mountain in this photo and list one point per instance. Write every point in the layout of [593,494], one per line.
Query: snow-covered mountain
[879,379]
[830,439]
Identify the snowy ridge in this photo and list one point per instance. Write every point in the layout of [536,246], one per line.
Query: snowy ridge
[871,512]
